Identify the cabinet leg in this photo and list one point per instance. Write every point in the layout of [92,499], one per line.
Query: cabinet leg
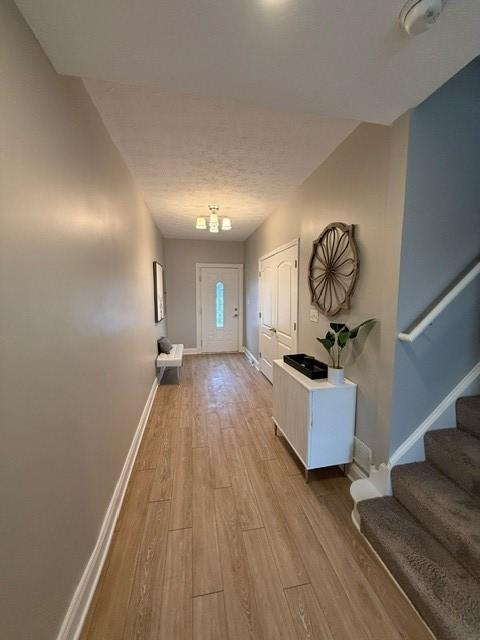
[276,429]
[307,475]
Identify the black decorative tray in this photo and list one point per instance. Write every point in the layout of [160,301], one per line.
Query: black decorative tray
[307,365]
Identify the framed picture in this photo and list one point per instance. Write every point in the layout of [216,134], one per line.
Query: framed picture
[158,292]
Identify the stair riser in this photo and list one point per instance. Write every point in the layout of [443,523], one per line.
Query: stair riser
[459,473]
[468,415]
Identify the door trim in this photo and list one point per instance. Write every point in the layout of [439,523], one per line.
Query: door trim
[293,243]
[239,268]
[287,245]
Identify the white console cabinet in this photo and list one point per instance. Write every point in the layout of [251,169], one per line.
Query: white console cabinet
[316,417]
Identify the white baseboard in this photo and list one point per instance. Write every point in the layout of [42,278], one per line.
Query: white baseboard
[253,361]
[354,472]
[77,611]
[191,351]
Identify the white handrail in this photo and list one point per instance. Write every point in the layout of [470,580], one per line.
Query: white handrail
[440,306]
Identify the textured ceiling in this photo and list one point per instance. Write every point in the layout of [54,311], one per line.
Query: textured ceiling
[347,58]
[237,102]
[186,153]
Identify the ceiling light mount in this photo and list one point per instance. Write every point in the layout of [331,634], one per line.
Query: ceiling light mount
[213,223]
[418,16]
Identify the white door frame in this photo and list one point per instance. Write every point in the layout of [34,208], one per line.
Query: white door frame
[202,265]
[293,243]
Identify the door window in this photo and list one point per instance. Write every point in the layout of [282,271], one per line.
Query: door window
[219,304]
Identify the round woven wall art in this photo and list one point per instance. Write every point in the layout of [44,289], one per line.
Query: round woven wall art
[333,269]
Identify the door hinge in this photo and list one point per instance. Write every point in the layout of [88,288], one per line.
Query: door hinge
[259,314]
[294,326]
[260,354]
[259,274]
[295,264]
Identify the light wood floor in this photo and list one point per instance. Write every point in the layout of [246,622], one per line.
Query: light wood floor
[220,537]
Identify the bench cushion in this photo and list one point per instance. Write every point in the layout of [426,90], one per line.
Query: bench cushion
[172,359]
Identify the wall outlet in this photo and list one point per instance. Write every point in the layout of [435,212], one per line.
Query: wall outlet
[313,314]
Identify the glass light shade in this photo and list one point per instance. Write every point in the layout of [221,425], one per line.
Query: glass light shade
[226,224]
[201,223]
[214,227]
[213,219]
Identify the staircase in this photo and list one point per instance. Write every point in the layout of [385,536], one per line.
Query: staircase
[428,532]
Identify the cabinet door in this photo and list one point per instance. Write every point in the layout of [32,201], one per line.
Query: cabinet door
[291,411]
[333,425]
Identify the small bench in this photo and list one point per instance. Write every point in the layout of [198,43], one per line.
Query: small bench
[172,359]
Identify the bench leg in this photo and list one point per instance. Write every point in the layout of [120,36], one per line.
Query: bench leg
[179,369]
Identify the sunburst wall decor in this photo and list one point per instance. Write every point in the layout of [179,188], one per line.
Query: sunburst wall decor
[333,269]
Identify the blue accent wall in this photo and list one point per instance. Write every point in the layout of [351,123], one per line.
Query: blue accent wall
[441,237]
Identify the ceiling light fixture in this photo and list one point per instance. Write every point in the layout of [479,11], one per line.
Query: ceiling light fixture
[213,222]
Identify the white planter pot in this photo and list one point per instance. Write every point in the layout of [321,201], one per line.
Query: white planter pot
[336,376]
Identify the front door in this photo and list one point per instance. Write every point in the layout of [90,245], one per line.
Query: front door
[219,307]
[278,296]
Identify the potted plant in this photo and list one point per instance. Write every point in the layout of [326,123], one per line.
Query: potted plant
[335,342]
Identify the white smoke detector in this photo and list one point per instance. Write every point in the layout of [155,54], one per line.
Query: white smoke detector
[418,15]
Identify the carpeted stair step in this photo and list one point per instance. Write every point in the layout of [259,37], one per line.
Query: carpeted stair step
[468,414]
[446,595]
[457,454]
[444,509]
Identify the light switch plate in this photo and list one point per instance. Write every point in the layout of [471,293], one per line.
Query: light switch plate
[313,314]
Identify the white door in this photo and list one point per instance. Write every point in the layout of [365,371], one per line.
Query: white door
[219,308]
[278,296]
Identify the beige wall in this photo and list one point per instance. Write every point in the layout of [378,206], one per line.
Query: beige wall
[361,183]
[181,257]
[76,330]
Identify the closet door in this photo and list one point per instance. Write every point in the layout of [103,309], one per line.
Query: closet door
[286,301]
[278,300]
[268,314]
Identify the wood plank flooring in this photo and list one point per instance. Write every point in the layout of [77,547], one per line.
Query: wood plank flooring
[220,538]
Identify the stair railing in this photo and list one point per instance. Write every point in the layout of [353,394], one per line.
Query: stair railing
[449,296]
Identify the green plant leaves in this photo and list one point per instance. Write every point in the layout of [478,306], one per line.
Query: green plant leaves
[354,332]
[340,338]
[328,342]
[330,336]
[343,337]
